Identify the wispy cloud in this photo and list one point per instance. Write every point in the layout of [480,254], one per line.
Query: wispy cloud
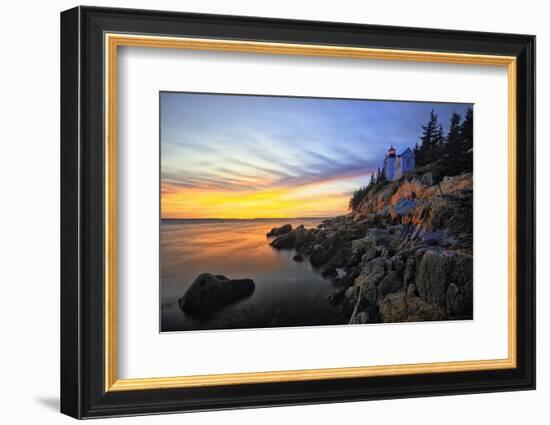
[236,156]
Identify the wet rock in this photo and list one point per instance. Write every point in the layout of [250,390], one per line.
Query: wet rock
[298,257]
[336,296]
[329,272]
[318,256]
[278,231]
[286,241]
[303,237]
[209,293]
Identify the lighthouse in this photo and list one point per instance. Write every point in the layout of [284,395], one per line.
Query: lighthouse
[396,166]
[389,162]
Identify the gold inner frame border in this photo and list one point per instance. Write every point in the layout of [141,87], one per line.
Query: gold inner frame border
[113,40]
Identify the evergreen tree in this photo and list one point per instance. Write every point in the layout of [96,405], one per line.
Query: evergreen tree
[372,180]
[467,130]
[426,152]
[416,151]
[439,138]
[453,136]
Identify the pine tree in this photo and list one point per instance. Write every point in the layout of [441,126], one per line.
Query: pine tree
[467,130]
[453,136]
[439,137]
[372,180]
[426,152]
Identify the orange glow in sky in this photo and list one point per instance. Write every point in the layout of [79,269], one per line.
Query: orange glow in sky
[315,200]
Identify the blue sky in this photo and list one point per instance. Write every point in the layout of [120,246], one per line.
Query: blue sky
[252,144]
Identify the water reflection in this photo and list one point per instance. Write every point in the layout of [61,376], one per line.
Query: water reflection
[287,293]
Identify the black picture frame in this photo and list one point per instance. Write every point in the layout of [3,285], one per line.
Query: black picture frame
[83,392]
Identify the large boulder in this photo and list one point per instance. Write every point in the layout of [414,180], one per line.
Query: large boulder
[286,241]
[433,275]
[209,293]
[278,231]
[319,255]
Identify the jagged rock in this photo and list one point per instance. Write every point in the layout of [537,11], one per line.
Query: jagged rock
[373,272]
[458,183]
[209,293]
[390,283]
[370,254]
[397,307]
[370,292]
[372,238]
[397,263]
[393,308]
[303,237]
[420,311]
[350,277]
[278,231]
[433,275]
[286,241]
[431,238]
[338,250]
[403,207]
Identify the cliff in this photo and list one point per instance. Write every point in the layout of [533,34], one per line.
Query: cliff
[403,254]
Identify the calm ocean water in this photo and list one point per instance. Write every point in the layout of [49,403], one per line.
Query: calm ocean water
[287,293]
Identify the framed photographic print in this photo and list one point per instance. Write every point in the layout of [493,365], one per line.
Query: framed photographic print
[261,212]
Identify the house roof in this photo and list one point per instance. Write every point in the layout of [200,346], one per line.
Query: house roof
[407,152]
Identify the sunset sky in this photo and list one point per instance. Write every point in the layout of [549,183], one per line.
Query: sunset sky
[228,156]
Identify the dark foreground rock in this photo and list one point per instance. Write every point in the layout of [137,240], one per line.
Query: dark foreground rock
[404,254]
[277,231]
[209,293]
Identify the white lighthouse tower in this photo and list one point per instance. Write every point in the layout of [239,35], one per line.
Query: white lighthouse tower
[389,163]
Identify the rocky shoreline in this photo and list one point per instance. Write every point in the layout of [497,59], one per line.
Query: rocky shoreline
[405,253]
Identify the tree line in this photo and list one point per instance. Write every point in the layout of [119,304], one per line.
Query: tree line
[452,151]
[434,144]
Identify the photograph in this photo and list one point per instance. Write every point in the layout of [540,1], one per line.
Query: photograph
[282,211]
